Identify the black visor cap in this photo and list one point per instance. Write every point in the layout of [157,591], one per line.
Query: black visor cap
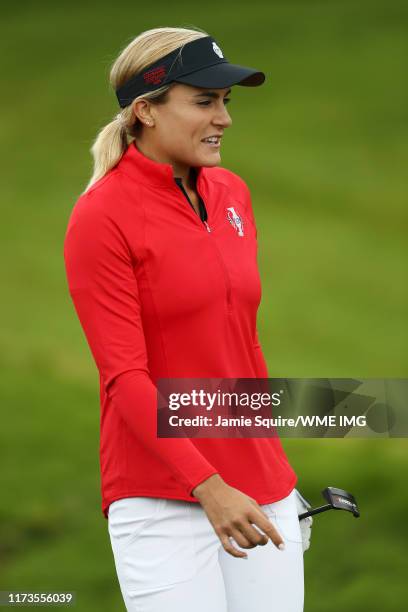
[200,63]
[223,75]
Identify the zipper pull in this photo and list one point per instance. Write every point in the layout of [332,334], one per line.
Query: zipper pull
[207,226]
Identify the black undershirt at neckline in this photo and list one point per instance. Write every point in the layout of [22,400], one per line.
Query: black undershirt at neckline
[201,205]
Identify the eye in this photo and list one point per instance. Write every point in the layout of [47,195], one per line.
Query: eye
[208,102]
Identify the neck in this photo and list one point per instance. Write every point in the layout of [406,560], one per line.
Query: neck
[186,173]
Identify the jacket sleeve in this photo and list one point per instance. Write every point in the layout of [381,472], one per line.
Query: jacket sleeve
[104,291]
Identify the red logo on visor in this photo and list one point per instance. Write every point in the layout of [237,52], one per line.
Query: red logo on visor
[155,76]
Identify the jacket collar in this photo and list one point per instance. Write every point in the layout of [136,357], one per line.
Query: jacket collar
[144,170]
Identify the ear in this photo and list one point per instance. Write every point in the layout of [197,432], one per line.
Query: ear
[141,109]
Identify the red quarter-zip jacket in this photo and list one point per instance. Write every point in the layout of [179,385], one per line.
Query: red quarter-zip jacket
[162,294]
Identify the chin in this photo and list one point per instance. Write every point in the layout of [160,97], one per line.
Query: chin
[211,160]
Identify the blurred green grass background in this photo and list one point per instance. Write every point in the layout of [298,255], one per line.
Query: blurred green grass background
[322,146]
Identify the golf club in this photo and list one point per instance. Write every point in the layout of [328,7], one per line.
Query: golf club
[338,500]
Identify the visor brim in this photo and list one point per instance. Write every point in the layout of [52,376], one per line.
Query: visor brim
[223,75]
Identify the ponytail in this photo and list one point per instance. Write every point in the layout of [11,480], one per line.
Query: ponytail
[109,146]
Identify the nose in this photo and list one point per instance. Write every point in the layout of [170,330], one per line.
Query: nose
[222,117]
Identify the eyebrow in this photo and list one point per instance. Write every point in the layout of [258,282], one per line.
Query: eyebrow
[210,94]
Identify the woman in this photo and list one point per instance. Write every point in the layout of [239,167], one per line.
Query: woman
[160,254]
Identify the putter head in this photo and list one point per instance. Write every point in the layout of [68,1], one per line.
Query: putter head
[341,500]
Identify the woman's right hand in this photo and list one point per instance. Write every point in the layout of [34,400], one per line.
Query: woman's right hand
[233,514]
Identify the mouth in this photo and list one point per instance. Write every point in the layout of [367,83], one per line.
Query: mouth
[212,141]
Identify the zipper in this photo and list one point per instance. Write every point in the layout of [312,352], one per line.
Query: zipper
[220,258]
[223,266]
[196,217]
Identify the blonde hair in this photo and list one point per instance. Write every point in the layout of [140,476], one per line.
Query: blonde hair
[149,46]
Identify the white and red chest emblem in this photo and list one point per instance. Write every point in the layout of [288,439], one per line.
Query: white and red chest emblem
[236,220]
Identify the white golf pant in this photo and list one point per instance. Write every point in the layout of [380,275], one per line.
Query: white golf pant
[169,558]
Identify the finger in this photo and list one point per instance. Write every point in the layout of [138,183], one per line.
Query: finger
[266,525]
[229,548]
[270,530]
[255,537]
[240,539]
